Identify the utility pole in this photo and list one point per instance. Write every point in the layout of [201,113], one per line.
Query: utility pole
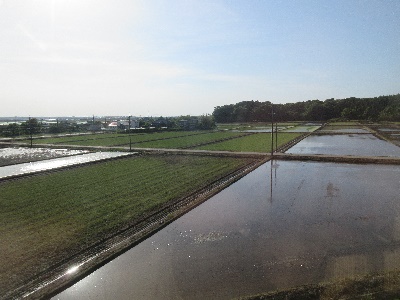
[276,134]
[272,129]
[30,130]
[130,137]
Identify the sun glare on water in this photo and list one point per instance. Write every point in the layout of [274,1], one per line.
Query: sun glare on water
[72,270]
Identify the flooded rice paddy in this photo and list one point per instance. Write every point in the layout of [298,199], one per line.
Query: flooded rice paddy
[345,144]
[283,225]
[32,167]
[345,130]
[389,129]
[309,128]
[9,156]
[260,129]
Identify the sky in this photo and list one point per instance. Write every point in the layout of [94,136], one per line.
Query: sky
[185,57]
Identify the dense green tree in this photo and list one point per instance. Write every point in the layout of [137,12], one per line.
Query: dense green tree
[12,130]
[206,122]
[378,108]
[32,126]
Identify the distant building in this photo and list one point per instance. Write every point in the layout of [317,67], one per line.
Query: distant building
[190,124]
[160,122]
[113,126]
[95,127]
[123,125]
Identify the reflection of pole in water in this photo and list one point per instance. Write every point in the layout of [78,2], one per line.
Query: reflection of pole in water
[270,186]
[276,135]
[272,178]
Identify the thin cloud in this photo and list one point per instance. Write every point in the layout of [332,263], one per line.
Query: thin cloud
[39,44]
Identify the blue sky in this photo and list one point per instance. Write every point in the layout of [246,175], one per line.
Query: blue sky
[172,57]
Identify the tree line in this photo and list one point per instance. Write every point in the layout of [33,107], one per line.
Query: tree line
[382,108]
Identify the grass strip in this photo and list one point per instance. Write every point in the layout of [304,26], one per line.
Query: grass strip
[260,142]
[47,218]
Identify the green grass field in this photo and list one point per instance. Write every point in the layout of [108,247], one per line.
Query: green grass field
[259,142]
[345,123]
[112,139]
[75,138]
[46,218]
[301,128]
[249,126]
[188,141]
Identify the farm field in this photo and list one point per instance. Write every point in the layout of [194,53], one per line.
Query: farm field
[284,225]
[113,139]
[76,138]
[179,139]
[250,126]
[259,142]
[189,141]
[46,218]
[330,129]
[59,162]
[302,128]
[338,127]
[341,123]
[9,156]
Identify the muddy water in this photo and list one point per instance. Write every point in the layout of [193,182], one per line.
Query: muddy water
[54,163]
[346,144]
[282,226]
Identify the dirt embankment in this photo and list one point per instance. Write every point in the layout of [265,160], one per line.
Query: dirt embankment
[375,286]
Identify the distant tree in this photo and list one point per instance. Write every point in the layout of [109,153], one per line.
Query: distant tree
[12,130]
[315,110]
[206,122]
[32,126]
[379,108]
[390,113]
[54,128]
[224,114]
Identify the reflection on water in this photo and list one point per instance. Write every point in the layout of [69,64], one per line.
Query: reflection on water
[9,156]
[285,224]
[346,144]
[345,130]
[49,164]
[310,128]
[389,129]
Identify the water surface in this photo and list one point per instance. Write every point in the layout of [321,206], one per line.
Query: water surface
[283,225]
[345,130]
[9,156]
[54,163]
[303,128]
[346,144]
